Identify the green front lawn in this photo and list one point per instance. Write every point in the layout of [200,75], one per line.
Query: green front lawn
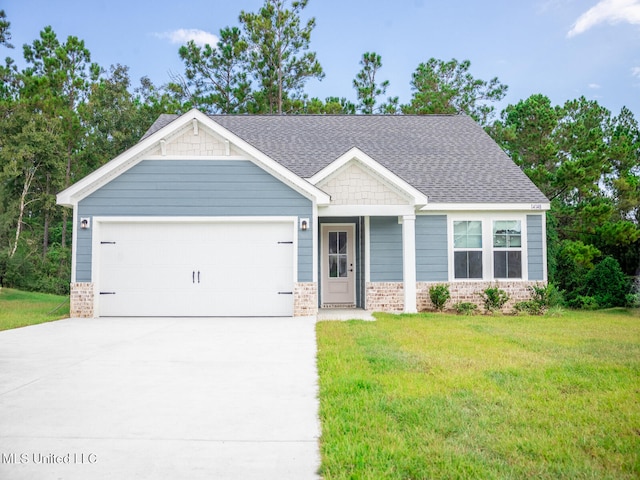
[19,309]
[438,396]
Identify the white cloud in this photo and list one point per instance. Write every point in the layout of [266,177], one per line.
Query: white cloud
[595,86]
[635,71]
[183,35]
[609,11]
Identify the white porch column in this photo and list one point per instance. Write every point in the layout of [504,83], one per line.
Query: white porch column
[409,262]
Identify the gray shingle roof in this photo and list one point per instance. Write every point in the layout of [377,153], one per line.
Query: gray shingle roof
[449,158]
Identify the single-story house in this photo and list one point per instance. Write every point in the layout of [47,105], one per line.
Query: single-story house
[238,215]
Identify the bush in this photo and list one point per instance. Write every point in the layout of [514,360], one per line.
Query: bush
[633,300]
[439,295]
[530,307]
[607,284]
[584,302]
[30,272]
[542,298]
[494,298]
[574,261]
[466,308]
[557,311]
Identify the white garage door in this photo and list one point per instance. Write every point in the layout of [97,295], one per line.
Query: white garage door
[195,269]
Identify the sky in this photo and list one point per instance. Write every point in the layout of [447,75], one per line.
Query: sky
[563,49]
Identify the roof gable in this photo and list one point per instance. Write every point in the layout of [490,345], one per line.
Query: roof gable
[175,136]
[196,142]
[355,178]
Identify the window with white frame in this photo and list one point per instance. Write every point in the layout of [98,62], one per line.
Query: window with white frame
[507,249]
[467,249]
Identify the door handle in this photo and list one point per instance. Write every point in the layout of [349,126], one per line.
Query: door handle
[198,276]
[193,277]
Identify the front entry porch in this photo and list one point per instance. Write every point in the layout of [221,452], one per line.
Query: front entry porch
[367,262]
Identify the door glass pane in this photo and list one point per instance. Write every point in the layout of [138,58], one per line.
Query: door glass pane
[342,242]
[343,266]
[333,242]
[337,255]
[333,266]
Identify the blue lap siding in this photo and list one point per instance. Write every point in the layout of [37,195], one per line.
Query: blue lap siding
[535,247]
[385,240]
[195,188]
[431,248]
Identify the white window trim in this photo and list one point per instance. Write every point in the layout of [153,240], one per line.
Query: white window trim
[508,249]
[467,249]
[487,220]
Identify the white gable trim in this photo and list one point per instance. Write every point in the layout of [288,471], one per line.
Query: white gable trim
[103,175]
[414,195]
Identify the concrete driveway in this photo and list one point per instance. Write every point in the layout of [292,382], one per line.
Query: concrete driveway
[160,398]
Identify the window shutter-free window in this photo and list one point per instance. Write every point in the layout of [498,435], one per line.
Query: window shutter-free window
[467,245]
[507,249]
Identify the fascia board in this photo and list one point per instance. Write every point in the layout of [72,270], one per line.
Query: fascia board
[416,195]
[365,210]
[476,207]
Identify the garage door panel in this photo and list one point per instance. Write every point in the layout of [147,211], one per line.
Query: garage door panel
[196,269]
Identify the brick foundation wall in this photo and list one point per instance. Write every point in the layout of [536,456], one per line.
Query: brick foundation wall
[468,292]
[384,296]
[305,299]
[81,300]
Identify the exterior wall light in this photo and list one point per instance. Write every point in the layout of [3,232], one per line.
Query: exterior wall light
[304,224]
[85,223]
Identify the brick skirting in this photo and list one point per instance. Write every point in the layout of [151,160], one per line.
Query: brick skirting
[380,296]
[305,299]
[468,292]
[384,296]
[81,300]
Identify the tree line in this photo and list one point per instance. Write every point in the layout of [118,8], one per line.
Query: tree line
[63,116]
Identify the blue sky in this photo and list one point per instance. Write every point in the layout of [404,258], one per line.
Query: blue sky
[561,48]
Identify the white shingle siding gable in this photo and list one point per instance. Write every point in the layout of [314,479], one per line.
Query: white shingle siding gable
[200,145]
[355,186]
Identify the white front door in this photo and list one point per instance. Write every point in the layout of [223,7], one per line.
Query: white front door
[338,264]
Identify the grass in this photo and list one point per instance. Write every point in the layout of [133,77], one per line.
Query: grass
[492,397]
[19,309]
